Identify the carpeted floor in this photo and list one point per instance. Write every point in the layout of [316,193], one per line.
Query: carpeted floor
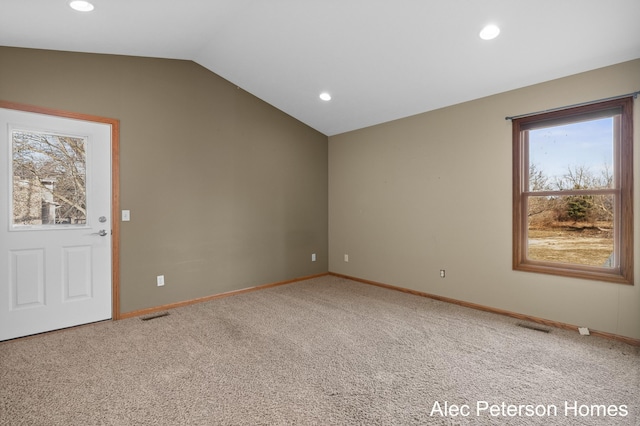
[326,351]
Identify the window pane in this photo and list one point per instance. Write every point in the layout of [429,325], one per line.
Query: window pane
[572,156]
[574,229]
[48,179]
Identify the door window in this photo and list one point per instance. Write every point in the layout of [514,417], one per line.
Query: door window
[49,180]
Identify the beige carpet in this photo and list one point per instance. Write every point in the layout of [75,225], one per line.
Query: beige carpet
[326,351]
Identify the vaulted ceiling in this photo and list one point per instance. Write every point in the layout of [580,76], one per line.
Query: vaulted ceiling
[379,60]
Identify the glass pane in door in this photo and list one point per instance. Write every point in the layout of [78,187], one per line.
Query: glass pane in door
[49,179]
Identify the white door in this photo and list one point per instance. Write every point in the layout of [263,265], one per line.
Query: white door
[55,222]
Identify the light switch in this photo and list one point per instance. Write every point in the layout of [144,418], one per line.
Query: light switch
[126,215]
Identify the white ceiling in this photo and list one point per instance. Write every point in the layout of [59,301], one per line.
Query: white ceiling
[380,59]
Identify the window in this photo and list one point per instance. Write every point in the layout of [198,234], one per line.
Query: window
[49,180]
[572,192]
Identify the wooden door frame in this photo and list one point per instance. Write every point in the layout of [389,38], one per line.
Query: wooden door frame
[115,186]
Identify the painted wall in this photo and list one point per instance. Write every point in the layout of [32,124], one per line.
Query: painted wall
[225,191]
[433,191]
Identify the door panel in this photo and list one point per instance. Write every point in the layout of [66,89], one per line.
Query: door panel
[77,282]
[26,272]
[55,222]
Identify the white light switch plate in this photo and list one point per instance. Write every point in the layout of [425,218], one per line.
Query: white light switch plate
[126,215]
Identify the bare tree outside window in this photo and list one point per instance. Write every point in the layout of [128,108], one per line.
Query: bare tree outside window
[49,179]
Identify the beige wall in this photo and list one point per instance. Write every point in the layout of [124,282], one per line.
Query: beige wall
[225,191]
[433,191]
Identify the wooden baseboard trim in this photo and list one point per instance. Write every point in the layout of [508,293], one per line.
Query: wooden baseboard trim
[550,323]
[155,309]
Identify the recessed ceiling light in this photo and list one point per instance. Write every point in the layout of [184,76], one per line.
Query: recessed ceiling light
[81,5]
[325,96]
[489,32]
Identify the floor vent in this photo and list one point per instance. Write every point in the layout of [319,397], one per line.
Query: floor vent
[154,316]
[534,327]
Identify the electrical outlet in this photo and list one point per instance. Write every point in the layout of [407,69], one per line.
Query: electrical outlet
[313,257]
[346,257]
[160,280]
[442,273]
